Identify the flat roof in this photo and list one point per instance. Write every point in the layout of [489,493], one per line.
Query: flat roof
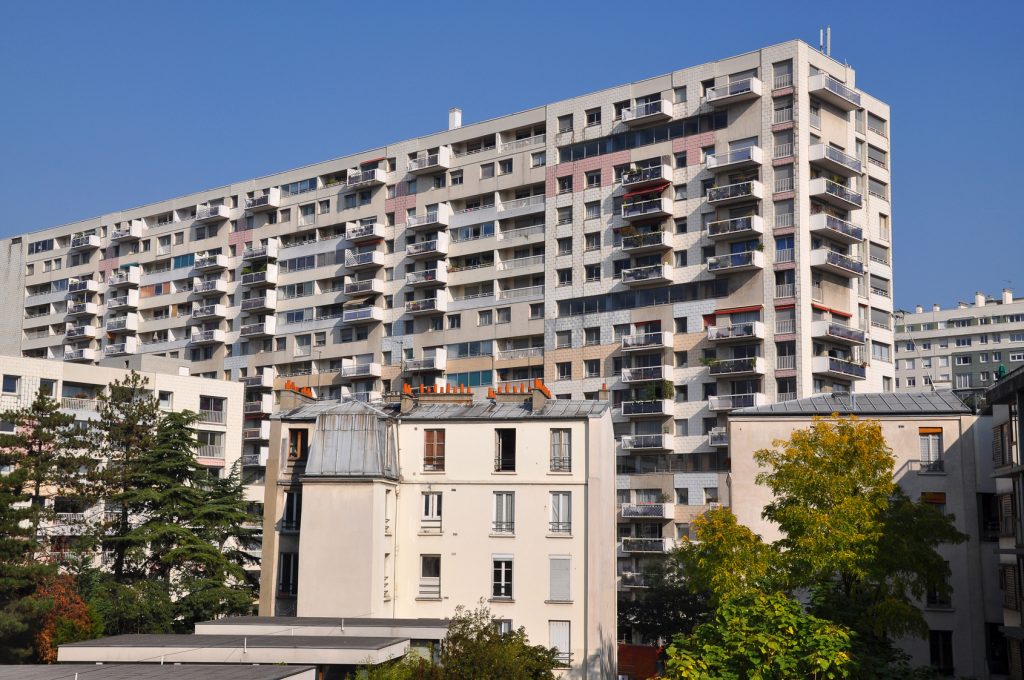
[326,621]
[204,641]
[942,402]
[553,409]
[152,671]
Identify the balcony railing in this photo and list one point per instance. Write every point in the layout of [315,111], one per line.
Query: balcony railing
[734,260]
[749,329]
[527,291]
[840,366]
[652,272]
[654,108]
[841,95]
[839,260]
[739,89]
[355,179]
[785,362]
[841,331]
[517,144]
[727,402]
[834,189]
[652,206]
[834,159]
[785,290]
[736,225]
[649,545]
[739,190]
[520,262]
[635,442]
[649,240]
[643,175]
[645,407]
[643,374]
[836,228]
[783,115]
[79,404]
[523,353]
[644,510]
[210,451]
[212,212]
[746,156]
[782,80]
[732,366]
[527,202]
[646,340]
[718,436]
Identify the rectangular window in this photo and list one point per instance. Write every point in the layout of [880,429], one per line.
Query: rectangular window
[430,577]
[561,450]
[505,450]
[565,123]
[288,578]
[11,384]
[430,522]
[291,519]
[559,638]
[940,645]
[560,569]
[593,117]
[504,512]
[561,512]
[930,442]
[433,450]
[501,577]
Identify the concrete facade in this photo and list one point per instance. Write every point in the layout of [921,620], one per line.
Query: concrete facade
[956,475]
[439,533]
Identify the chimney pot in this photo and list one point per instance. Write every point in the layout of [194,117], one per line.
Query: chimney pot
[454,118]
[1007,296]
[936,308]
[918,309]
[979,299]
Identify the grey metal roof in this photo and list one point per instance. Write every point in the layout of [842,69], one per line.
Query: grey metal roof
[151,671]
[554,409]
[326,621]
[311,411]
[352,439]
[868,404]
[204,641]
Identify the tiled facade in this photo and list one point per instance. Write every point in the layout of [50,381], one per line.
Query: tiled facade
[722,229]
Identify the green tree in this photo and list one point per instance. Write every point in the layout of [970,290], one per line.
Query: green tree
[755,635]
[667,605]
[474,648]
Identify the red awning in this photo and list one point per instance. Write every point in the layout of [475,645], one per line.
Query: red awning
[836,312]
[372,160]
[789,306]
[740,310]
[647,190]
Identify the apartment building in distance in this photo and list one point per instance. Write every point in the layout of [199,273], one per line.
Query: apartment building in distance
[77,388]
[941,452]
[410,508]
[968,346]
[712,238]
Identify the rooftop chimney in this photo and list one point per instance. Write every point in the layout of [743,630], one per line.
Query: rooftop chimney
[936,308]
[979,299]
[1007,296]
[960,304]
[454,118]
[918,309]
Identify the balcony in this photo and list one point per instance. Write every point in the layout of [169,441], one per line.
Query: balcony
[737,227]
[836,263]
[718,437]
[83,286]
[642,374]
[737,367]
[837,368]
[654,207]
[434,248]
[647,408]
[651,112]
[83,242]
[520,293]
[81,332]
[127,347]
[130,276]
[737,331]
[128,301]
[520,263]
[266,251]
[427,278]
[520,354]
[647,510]
[370,177]
[364,288]
[262,303]
[644,177]
[426,306]
[80,354]
[837,332]
[127,232]
[537,202]
[204,312]
[212,287]
[651,242]
[835,194]
[261,406]
[426,364]
[646,442]
[646,341]
[212,213]
[827,88]
[83,309]
[364,232]
[428,163]
[746,157]
[79,404]
[432,219]
[835,229]
[207,337]
[363,315]
[361,371]
[369,259]
[647,545]
[257,434]
[732,263]
[259,381]
[212,262]
[648,275]
[270,199]
[263,279]
[737,91]
[728,402]
[834,160]
[736,193]
[129,323]
[628,579]
[263,329]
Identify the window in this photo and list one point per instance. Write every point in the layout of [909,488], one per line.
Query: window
[166,400]
[561,450]
[593,117]
[291,518]
[940,645]
[930,442]
[538,159]
[561,512]
[591,368]
[1016,356]
[454,321]
[591,241]
[537,310]
[288,578]
[565,246]
[456,177]
[680,324]
[501,577]
[565,184]
[592,335]
[592,272]
[11,384]
[430,578]
[433,450]
[563,339]
[565,277]
[565,123]
[487,170]
[505,450]
[565,215]
[559,638]
[431,519]
[504,314]
[504,512]
[505,166]
[593,178]
[564,370]
[711,494]
[484,317]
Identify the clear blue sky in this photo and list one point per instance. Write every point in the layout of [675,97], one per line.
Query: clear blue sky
[108,105]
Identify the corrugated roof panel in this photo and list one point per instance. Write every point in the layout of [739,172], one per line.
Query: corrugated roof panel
[870,403]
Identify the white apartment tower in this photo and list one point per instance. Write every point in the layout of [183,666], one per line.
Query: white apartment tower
[712,238]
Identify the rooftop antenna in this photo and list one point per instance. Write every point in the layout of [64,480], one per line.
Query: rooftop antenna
[821,40]
[828,41]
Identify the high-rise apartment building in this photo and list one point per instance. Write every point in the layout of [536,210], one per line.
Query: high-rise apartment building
[968,346]
[712,238]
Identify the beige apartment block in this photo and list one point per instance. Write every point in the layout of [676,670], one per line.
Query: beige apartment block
[967,347]
[942,456]
[411,508]
[715,237]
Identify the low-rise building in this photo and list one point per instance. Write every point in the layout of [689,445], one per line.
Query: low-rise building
[411,508]
[941,457]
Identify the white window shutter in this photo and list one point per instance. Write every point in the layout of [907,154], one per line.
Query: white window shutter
[558,636]
[560,590]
